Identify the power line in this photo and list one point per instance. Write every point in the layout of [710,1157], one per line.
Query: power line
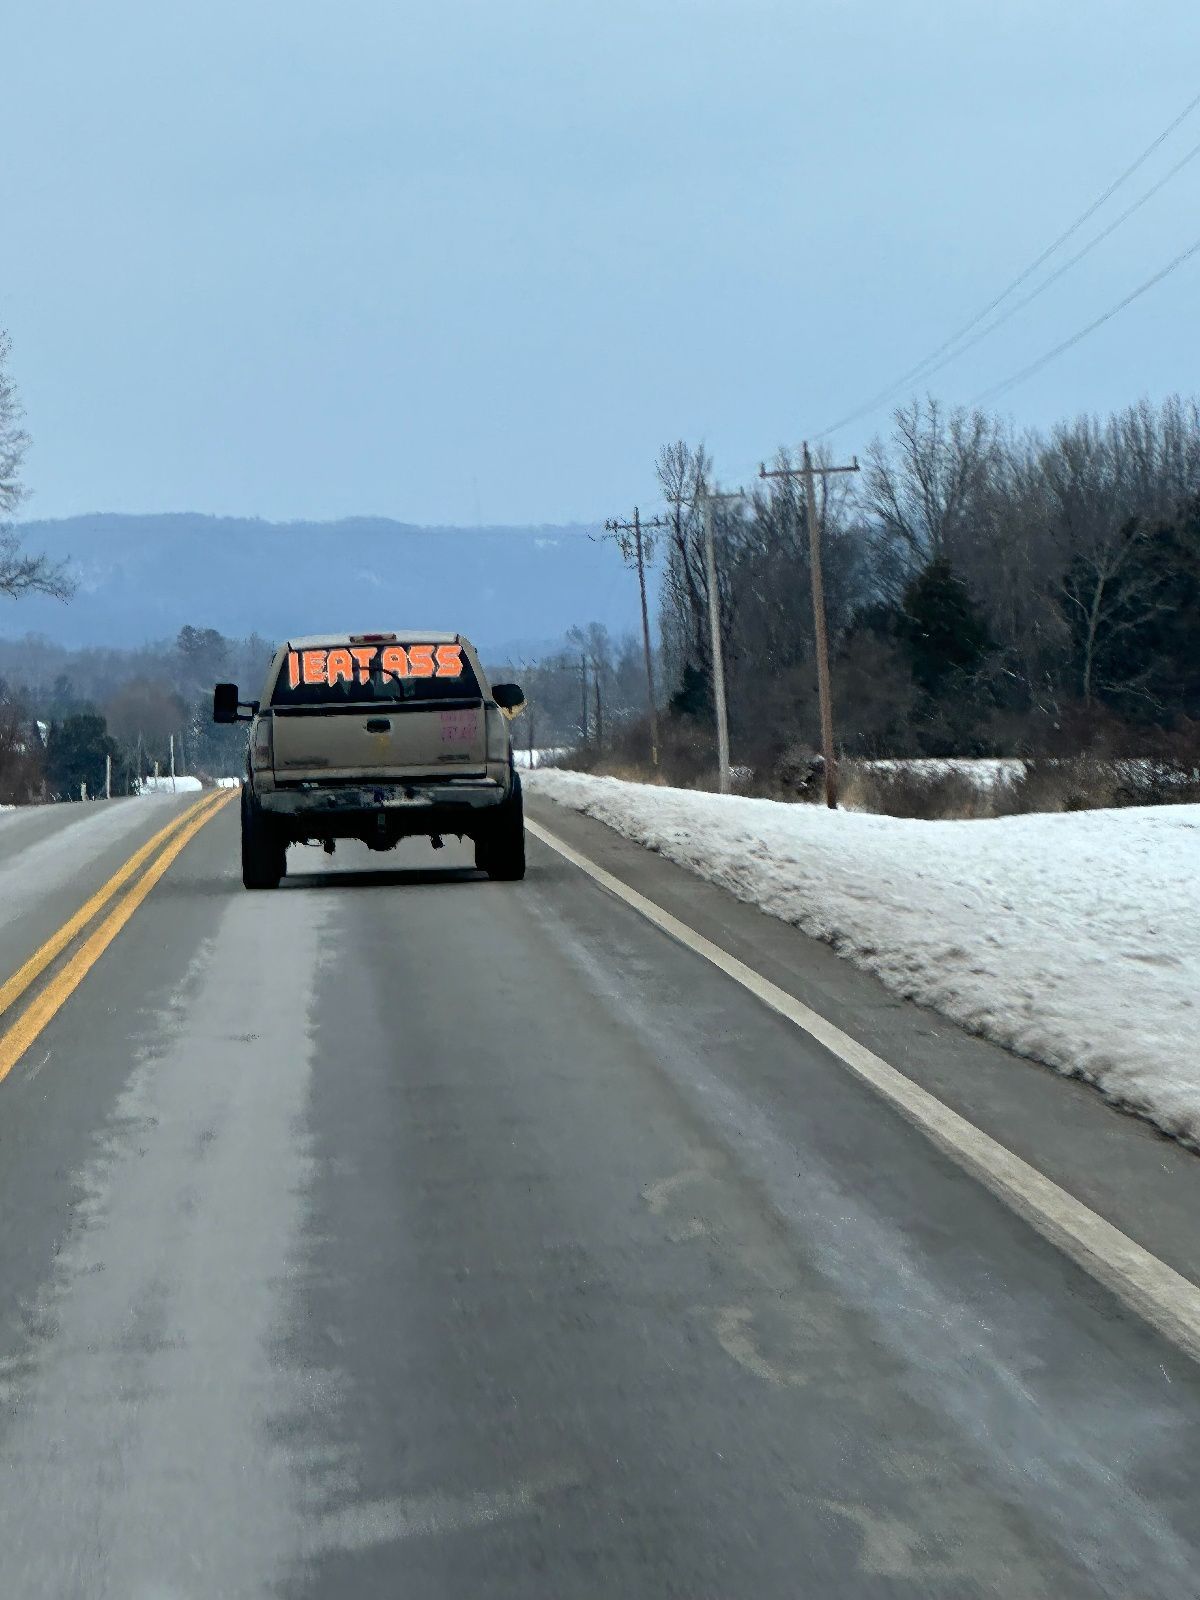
[1036,366]
[1027,272]
[1071,261]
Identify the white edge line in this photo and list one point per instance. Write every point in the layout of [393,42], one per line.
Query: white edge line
[1147,1285]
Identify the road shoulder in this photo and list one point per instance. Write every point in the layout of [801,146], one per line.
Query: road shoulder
[1134,1177]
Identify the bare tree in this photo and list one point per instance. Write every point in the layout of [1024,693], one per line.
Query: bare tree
[1110,485]
[20,572]
[1106,593]
[1156,456]
[142,715]
[595,646]
[684,593]
[925,490]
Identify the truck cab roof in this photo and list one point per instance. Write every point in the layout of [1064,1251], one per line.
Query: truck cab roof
[323,641]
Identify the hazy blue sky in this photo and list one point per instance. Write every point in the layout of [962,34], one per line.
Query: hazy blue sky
[476,259]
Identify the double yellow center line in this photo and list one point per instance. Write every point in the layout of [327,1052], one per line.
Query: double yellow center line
[174,837]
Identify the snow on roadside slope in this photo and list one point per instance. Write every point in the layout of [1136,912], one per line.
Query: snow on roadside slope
[1072,938]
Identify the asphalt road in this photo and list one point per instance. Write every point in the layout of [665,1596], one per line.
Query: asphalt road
[402,1234]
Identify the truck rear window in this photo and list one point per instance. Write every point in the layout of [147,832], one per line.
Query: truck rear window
[368,674]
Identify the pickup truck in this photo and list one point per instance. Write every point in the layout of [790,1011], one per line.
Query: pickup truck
[378,737]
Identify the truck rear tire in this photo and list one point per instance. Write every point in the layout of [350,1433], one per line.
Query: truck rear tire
[500,852]
[264,854]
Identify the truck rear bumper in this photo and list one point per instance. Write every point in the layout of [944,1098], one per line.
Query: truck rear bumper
[336,810]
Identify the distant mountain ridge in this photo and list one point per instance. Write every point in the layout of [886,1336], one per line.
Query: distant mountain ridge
[141,577]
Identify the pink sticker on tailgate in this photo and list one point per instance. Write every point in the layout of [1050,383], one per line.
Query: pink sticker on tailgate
[459,727]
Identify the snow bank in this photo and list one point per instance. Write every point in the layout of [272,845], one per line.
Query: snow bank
[521,754]
[1072,938]
[169,785]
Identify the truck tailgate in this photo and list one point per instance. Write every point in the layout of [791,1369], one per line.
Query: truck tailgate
[387,742]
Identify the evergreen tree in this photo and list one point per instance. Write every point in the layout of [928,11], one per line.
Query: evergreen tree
[75,754]
[946,638]
[693,698]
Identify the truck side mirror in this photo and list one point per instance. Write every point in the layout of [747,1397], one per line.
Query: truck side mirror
[228,707]
[508,696]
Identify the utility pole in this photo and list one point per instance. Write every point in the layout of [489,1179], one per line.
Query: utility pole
[640,550]
[172,763]
[808,472]
[714,632]
[108,777]
[583,703]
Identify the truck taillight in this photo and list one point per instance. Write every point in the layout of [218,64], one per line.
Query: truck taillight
[264,752]
[497,735]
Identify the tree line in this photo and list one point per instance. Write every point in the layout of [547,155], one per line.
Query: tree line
[64,711]
[65,714]
[989,592]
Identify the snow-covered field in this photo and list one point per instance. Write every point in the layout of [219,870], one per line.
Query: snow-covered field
[165,784]
[522,755]
[983,771]
[1072,938]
